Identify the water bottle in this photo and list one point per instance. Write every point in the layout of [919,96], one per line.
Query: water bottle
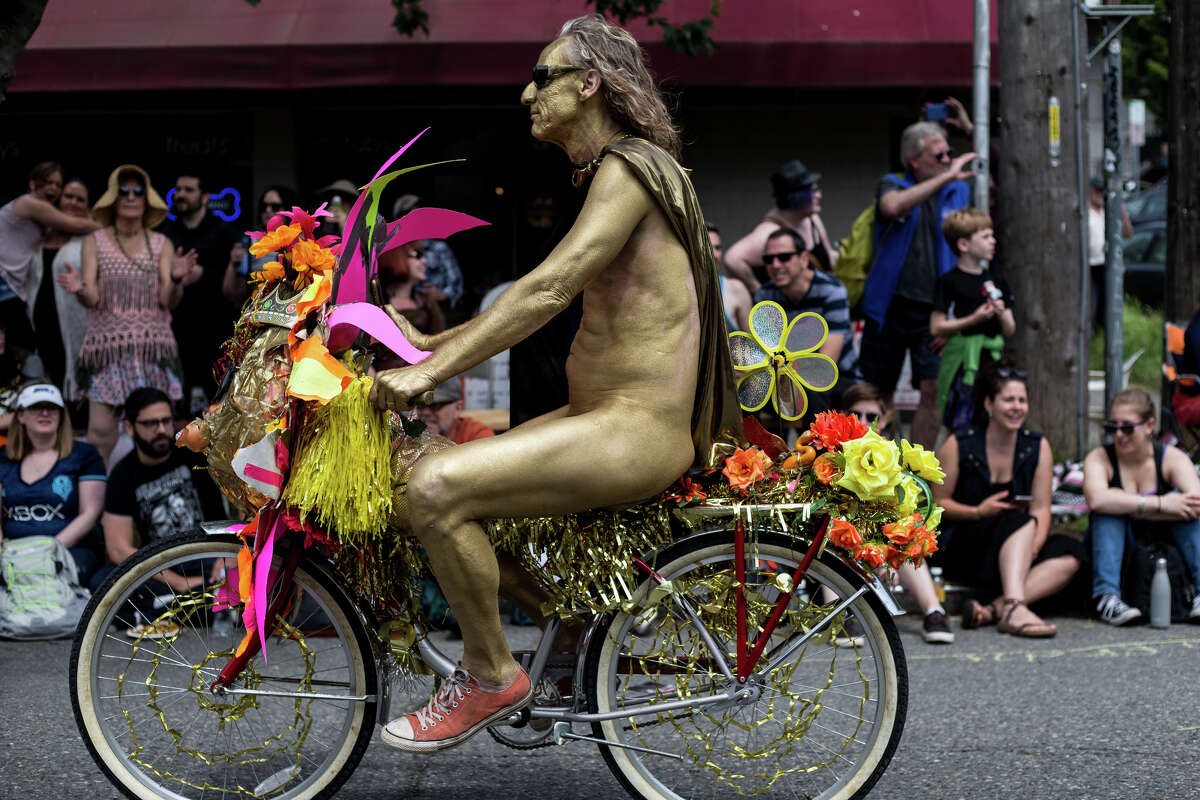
[939,585]
[1160,596]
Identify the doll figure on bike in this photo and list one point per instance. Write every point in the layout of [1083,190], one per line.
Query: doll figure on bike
[649,375]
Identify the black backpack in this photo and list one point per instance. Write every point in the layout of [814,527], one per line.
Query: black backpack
[1149,546]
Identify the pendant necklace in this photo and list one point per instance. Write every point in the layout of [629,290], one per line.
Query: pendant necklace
[146,237]
[583,173]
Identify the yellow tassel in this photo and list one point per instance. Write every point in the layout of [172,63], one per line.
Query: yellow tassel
[341,472]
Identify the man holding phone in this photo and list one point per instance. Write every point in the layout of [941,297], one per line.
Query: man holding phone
[910,256]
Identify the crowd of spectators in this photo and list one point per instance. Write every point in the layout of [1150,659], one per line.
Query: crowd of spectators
[126,311]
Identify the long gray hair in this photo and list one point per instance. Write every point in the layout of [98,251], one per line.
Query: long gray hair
[629,92]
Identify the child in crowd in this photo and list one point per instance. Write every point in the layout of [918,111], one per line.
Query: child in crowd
[973,309]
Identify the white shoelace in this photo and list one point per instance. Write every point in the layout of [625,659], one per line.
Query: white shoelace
[448,694]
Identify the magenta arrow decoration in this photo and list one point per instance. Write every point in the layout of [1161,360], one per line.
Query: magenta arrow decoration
[428,223]
[347,320]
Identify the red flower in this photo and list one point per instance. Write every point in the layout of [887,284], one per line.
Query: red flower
[825,469]
[746,467]
[833,428]
[899,533]
[893,557]
[844,535]
[870,554]
[685,492]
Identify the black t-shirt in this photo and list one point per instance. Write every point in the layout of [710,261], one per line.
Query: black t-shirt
[204,318]
[960,293]
[918,276]
[163,499]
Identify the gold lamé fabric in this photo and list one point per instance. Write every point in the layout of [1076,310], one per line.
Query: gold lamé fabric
[716,417]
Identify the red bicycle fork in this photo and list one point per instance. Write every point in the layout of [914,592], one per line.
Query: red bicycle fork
[749,655]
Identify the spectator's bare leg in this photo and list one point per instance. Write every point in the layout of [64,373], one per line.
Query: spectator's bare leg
[925,419]
[1015,557]
[1050,576]
[919,583]
[102,430]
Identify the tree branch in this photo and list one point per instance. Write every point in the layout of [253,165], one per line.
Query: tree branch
[20,20]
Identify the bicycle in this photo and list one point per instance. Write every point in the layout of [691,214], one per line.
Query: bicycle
[722,675]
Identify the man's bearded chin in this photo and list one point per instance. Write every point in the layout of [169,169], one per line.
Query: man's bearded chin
[157,447]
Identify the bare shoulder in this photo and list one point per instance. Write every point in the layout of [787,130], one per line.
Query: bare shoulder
[1179,470]
[1096,462]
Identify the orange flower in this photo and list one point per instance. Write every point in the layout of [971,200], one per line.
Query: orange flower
[833,428]
[870,554]
[893,557]
[899,533]
[826,469]
[308,255]
[686,491]
[271,271]
[746,467]
[276,240]
[844,535]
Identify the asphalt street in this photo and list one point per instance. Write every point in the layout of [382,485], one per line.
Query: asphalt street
[1096,712]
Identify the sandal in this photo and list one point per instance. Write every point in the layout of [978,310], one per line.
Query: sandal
[976,615]
[1030,630]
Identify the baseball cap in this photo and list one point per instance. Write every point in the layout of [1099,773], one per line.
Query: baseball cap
[792,176]
[1097,182]
[39,393]
[448,391]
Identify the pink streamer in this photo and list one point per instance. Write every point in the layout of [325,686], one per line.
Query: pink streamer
[255,472]
[373,321]
[428,223]
[262,575]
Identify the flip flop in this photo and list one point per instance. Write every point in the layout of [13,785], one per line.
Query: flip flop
[1029,630]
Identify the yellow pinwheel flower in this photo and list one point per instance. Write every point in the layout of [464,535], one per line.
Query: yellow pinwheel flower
[777,360]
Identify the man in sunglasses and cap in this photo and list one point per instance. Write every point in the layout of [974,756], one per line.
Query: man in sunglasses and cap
[910,256]
[650,382]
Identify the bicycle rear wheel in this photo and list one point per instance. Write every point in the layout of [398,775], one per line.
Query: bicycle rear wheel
[824,724]
[145,655]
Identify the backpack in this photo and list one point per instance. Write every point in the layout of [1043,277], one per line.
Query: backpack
[856,254]
[1148,547]
[40,595]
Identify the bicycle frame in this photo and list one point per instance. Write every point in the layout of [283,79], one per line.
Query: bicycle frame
[749,655]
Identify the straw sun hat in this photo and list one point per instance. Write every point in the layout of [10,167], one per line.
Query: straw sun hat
[156,209]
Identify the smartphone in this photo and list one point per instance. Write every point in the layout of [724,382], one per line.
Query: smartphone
[937,111]
[1020,499]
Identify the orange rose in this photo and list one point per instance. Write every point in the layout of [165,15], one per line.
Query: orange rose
[893,557]
[826,469]
[833,428]
[899,533]
[746,467]
[844,535]
[870,554]
[271,271]
[277,239]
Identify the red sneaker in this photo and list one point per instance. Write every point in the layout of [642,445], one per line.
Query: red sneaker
[458,710]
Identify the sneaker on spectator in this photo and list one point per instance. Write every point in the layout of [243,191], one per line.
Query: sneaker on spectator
[852,634]
[1116,611]
[937,629]
[1194,616]
[458,710]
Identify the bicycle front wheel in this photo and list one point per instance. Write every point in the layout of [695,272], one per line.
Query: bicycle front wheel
[145,655]
[823,723]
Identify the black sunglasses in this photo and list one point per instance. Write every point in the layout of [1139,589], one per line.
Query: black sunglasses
[1012,372]
[768,258]
[866,416]
[945,155]
[416,253]
[1123,427]
[136,191]
[269,206]
[543,73]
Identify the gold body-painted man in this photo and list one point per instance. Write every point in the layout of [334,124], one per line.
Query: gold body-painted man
[648,371]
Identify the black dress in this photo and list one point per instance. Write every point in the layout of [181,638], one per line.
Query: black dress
[969,550]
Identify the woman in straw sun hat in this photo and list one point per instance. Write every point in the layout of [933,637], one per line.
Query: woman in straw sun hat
[130,279]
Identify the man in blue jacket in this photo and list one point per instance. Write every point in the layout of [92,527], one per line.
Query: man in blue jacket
[910,256]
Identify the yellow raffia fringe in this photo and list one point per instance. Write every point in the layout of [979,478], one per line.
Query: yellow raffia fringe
[341,473]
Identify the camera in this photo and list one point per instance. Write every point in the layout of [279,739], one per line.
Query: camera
[993,291]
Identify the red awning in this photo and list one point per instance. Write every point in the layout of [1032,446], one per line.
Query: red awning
[82,45]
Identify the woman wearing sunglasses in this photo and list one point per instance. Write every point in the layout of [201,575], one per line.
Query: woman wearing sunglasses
[241,264]
[996,525]
[405,290]
[129,281]
[1133,486]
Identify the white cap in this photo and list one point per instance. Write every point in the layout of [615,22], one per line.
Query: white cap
[39,393]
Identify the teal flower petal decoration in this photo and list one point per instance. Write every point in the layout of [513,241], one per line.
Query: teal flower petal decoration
[777,360]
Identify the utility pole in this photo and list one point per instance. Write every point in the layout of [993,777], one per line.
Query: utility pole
[981,101]
[1114,256]
[1039,206]
[1183,185]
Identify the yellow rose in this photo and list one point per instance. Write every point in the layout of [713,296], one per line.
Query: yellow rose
[935,519]
[872,467]
[912,496]
[922,462]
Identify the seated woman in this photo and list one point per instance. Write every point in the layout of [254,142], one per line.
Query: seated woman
[52,485]
[1136,484]
[405,289]
[865,402]
[996,523]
